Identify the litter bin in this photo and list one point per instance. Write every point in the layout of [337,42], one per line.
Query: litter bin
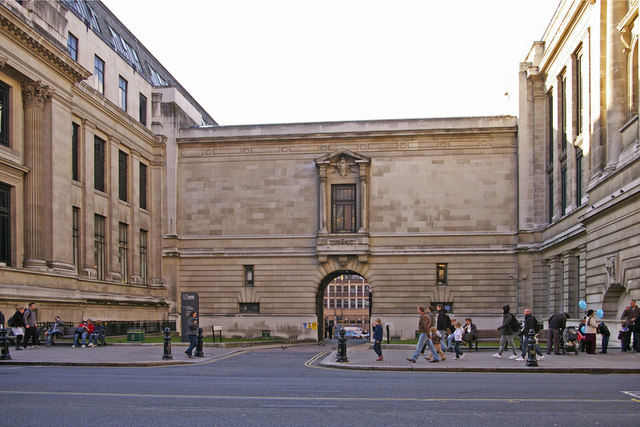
[266,333]
[135,335]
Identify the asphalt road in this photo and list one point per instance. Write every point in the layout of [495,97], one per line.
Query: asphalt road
[275,387]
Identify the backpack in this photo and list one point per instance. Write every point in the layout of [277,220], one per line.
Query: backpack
[515,325]
[538,325]
[11,322]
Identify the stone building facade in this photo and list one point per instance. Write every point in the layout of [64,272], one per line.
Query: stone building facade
[579,161]
[86,113]
[299,204]
[119,193]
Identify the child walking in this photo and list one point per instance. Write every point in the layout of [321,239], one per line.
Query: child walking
[457,336]
[436,338]
[377,338]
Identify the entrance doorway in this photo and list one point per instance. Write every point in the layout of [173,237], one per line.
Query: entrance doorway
[343,300]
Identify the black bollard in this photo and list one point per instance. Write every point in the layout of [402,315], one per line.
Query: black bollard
[531,348]
[342,347]
[4,345]
[199,352]
[167,345]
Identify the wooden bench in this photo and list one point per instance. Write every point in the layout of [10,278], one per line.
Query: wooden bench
[70,332]
[493,335]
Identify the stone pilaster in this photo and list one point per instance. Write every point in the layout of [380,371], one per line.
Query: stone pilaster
[364,220]
[323,199]
[616,82]
[34,96]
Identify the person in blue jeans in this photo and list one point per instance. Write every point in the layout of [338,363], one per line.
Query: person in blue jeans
[83,331]
[377,338]
[192,331]
[57,328]
[457,334]
[424,328]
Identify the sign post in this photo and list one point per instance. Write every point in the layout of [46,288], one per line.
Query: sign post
[190,303]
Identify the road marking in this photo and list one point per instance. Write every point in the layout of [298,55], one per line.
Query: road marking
[305,398]
[635,395]
[310,363]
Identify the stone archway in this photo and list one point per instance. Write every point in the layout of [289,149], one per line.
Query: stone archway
[362,296]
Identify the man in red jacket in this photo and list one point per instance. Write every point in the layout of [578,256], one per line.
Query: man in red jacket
[83,330]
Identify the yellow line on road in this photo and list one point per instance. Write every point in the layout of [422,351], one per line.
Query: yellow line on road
[306,398]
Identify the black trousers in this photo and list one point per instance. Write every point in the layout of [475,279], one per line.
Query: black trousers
[31,333]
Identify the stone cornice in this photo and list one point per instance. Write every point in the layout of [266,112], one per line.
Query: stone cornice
[29,38]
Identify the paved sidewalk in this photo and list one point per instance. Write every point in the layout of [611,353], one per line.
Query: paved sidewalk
[395,359]
[112,355]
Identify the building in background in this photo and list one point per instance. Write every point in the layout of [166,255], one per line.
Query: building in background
[88,119]
[346,302]
[579,162]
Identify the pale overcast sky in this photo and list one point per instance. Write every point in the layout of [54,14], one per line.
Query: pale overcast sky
[251,62]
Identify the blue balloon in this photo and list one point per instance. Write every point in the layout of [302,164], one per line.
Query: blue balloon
[600,313]
[582,304]
[582,329]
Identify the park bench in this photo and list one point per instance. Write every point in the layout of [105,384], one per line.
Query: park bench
[494,335]
[69,333]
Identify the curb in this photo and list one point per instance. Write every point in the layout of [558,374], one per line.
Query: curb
[526,370]
[118,364]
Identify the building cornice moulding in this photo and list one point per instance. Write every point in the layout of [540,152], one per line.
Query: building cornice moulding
[39,47]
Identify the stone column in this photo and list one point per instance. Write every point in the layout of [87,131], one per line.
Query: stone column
[363,199]
[323,199]
[615,82]
[34,96]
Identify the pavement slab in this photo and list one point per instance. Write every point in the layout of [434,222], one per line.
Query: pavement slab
[395,359]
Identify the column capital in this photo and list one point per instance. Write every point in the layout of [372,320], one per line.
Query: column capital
[35,94]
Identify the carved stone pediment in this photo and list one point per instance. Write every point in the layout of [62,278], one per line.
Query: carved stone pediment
[342,163]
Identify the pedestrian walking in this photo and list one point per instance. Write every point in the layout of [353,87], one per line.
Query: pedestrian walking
[31,327]
[377,338]
[508,323]
[457,336]
[424,328]
[192,331]
[16,322]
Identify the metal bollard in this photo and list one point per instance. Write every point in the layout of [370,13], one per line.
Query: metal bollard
[342,347]
[4,345]
[200,338]
[167,345]
[531,348]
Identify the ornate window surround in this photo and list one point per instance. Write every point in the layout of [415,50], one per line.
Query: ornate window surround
[343,167]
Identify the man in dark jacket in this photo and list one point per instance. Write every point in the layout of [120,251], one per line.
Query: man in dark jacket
[557,323]
[442,324]
[631,317]
[507,334]
[530,322]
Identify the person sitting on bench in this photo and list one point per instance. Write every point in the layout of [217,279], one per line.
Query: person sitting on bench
[57,328]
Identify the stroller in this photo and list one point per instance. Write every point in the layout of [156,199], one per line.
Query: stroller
[569,340]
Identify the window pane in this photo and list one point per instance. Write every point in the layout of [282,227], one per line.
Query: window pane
[4,115]
[123,251]
[72,46]
[5,224]
[143,109]
[75,152]
[123,169]
[143,186]
[98,72]
[98,163]
[99,241]
[122,84]
[343,208]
